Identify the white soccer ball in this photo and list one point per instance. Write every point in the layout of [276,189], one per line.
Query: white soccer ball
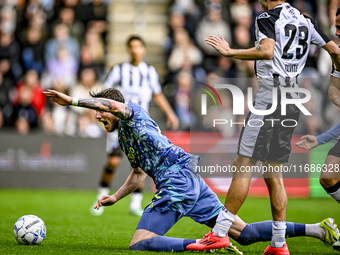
[29,229]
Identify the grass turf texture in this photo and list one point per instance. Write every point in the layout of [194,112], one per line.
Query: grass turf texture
[71,229]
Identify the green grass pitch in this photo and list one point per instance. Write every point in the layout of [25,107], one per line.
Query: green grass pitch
[71,229]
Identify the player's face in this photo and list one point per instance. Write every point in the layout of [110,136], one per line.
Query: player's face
[264,4]
[136,50]
[110,122]
[337,26]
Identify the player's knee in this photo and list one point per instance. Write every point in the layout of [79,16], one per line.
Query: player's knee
[113,162]
[109,170]
[138,246]
[327,182]
[142,245]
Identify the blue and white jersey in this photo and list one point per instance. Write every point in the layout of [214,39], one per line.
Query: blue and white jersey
[148,148]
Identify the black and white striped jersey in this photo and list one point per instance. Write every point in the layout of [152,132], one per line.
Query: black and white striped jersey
[293,33]
[137,83]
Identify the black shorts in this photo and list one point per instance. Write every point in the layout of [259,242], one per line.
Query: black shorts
[115,152]
[268,137]
[335,149]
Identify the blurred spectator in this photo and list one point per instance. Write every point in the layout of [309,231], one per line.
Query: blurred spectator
[212,24]
[82,12]
[226,67]
[10,50]
[176,21]
[63,39]
[32,53]
[47,122]
[98,20]
[7,88]
[87,61]
[30,82]
[183,50]
[182,100]
[38,21]
[87,83]
[88,125]
[24,115]
[8,20]
[190,11]
[76,28]
[96,45]
[62,70]
[241,13]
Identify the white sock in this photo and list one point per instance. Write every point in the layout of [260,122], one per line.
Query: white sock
[335,195]
[136,201]
[279,232]
[224,220]
[314,230]
[102,191]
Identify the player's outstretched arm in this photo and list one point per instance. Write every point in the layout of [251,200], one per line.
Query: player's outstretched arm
[135,179]
[307,142]
[334,90]
[118,109]
[334,51]
[263,51]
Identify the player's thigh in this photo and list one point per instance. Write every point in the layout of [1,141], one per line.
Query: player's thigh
[280,145]
[159,216]
[141,234]
[204,205]
[331,169]
[257,133]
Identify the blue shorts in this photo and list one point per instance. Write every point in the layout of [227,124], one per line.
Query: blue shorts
[181,194]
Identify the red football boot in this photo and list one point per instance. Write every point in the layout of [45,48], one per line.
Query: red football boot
[209,241]
[276,251]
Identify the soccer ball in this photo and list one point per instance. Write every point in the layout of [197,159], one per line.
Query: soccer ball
[29,229]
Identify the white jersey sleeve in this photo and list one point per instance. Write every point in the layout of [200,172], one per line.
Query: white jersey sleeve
[154,81]
[318,36]
[113,77]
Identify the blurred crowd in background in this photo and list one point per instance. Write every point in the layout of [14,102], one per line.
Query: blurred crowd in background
[60,44]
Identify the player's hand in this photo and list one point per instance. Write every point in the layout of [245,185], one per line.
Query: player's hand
[58,97]
[307,142]
[172,122]
[221,45]
[105,201]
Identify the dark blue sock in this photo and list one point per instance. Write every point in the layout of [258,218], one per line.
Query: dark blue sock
[262,231]
[162,243]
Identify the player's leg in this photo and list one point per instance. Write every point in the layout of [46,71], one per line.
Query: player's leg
[252,147]
[136,201]
[114,157]
[236,196]
[106,178]
[205,210]
[330,176]
[246,234]
[156,220]
[278,202]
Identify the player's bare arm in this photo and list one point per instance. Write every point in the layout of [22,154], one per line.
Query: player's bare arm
[119,110]
[136,177]
[263,51]
[163,104]
[307,142]
[334,51]
[334,90]
[105,105]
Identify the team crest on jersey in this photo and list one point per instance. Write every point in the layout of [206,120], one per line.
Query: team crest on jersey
[263,15]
